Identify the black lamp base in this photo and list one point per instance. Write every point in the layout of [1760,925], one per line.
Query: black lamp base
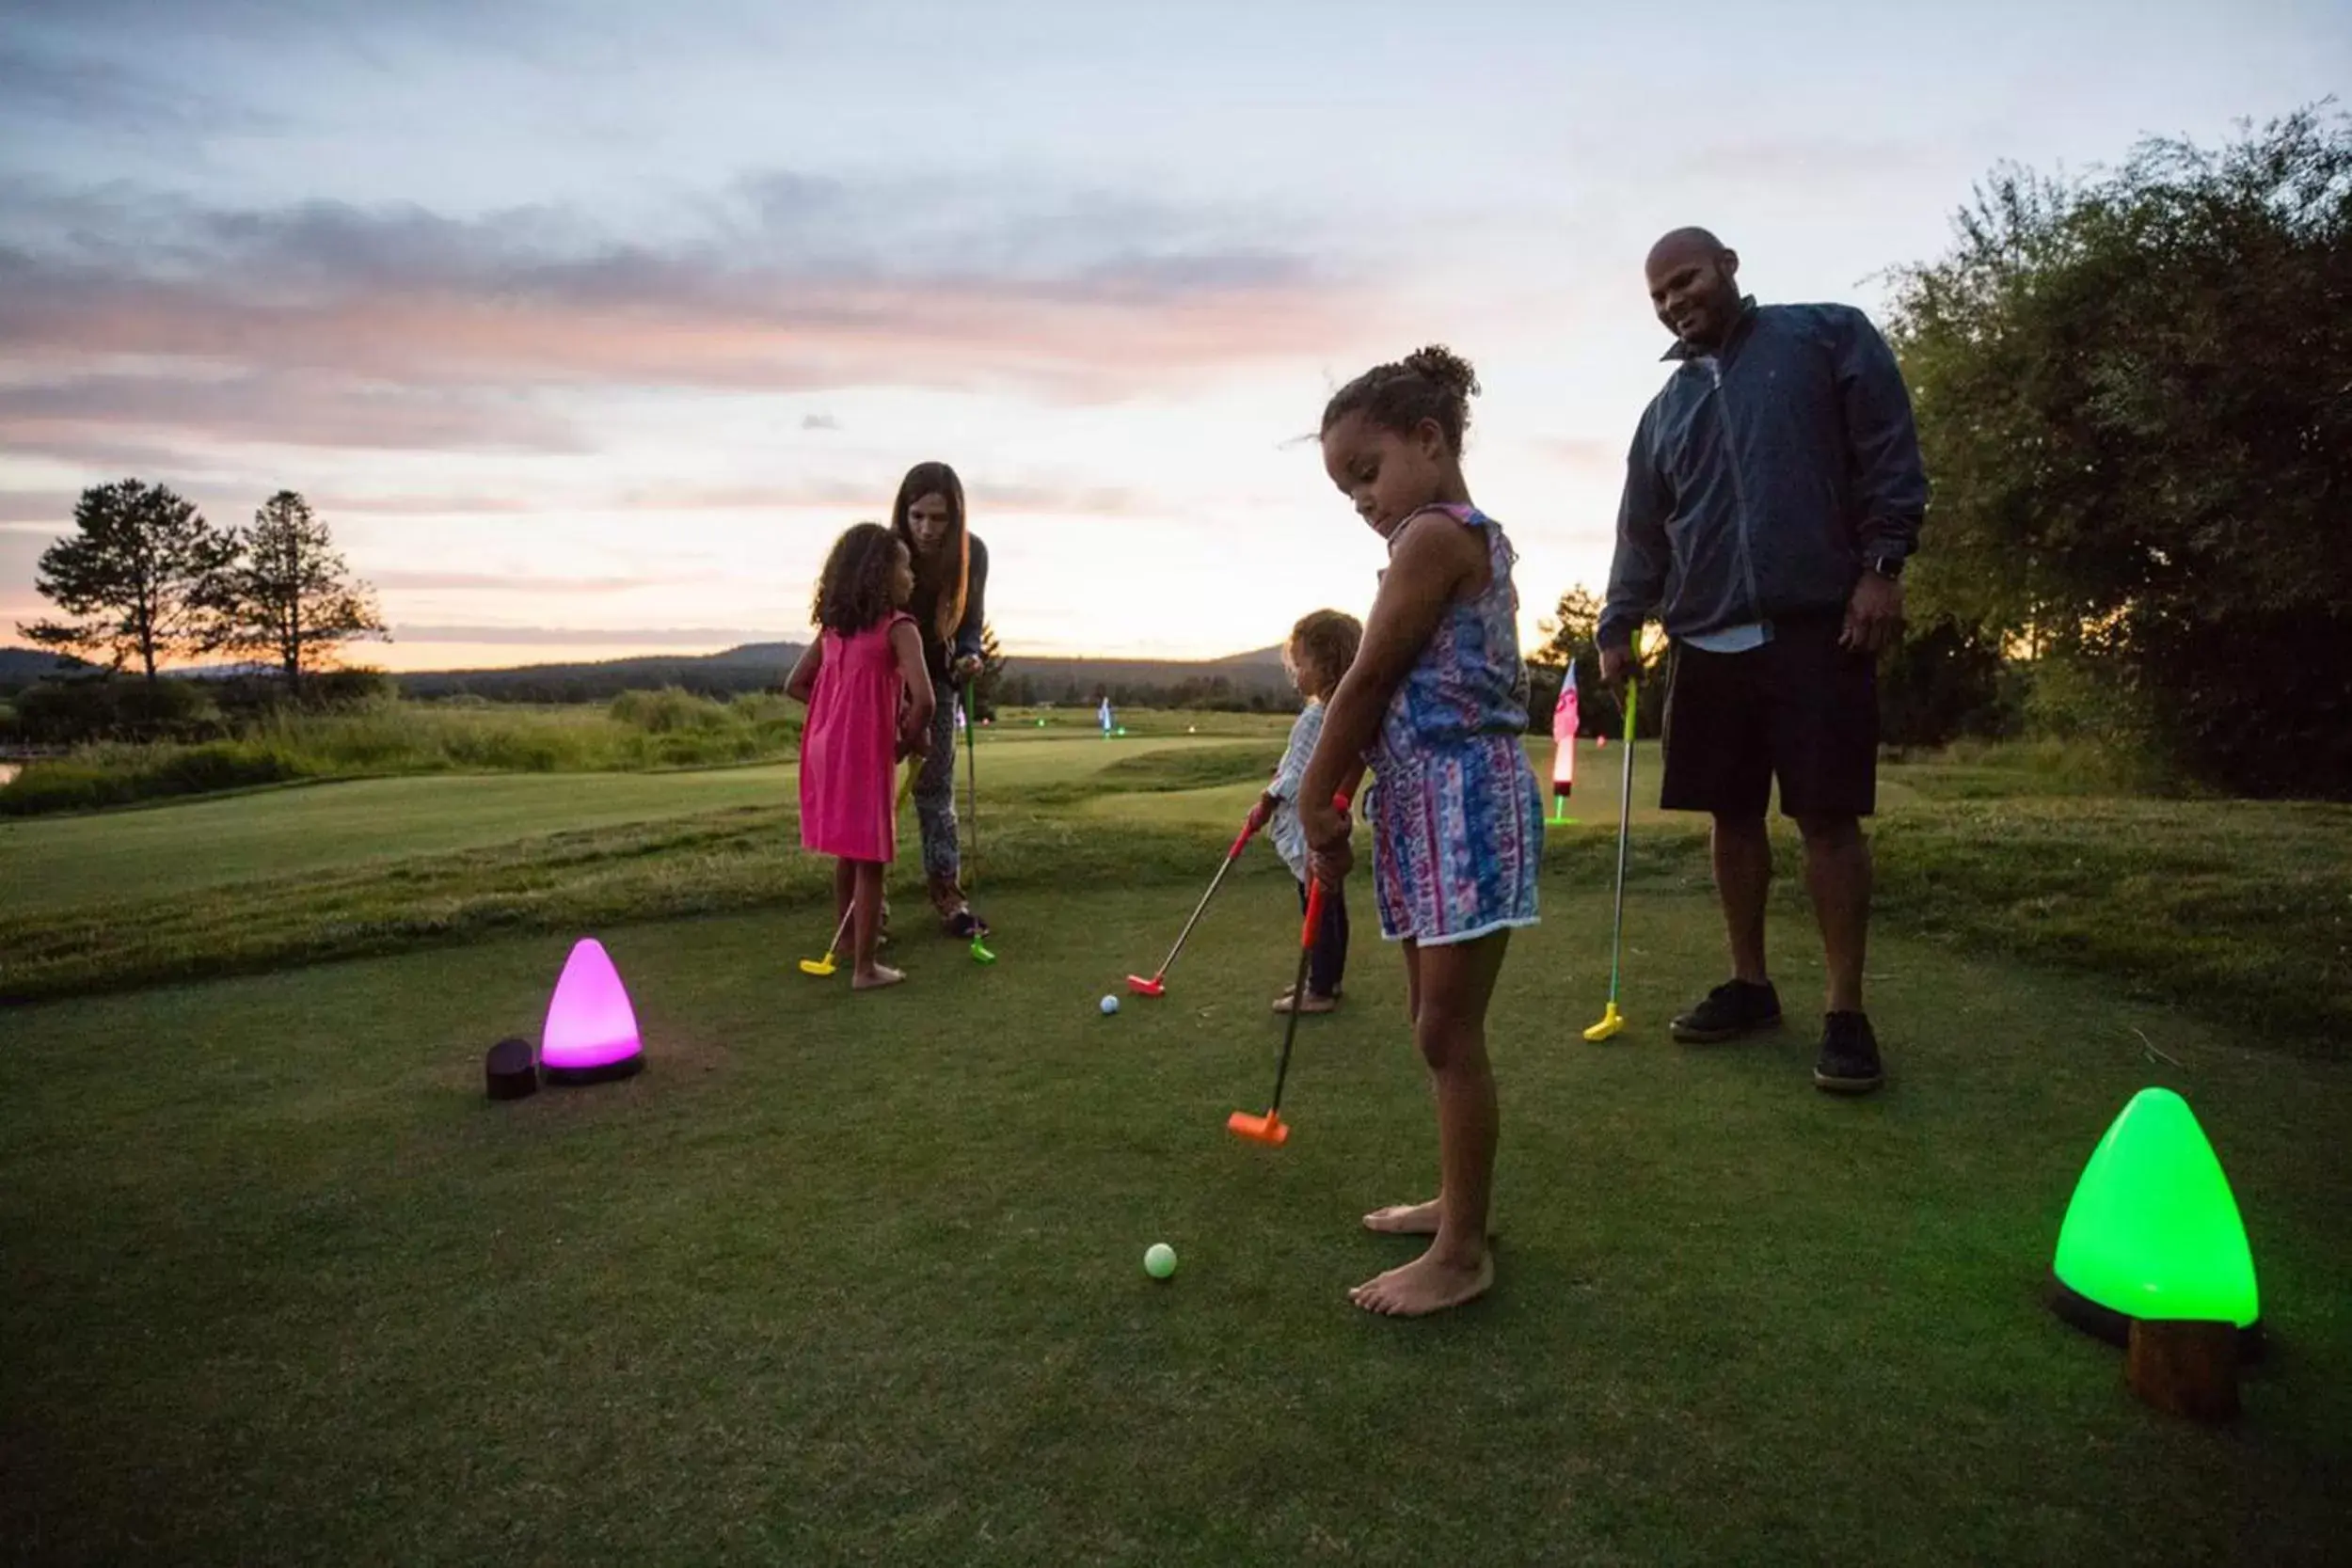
[509,1072]
[2105,1322]
[572,1077]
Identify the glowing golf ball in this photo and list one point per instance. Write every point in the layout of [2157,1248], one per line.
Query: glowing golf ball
[1110,1005]
[1160,1261]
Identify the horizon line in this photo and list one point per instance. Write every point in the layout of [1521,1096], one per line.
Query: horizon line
[595,654]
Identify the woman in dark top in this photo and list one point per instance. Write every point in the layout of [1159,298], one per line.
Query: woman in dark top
[950,579]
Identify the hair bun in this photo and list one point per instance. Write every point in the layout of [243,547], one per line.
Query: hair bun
[1446,367]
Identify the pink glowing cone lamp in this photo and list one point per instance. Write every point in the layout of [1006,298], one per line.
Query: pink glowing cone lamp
[1563,746]
[591,1032]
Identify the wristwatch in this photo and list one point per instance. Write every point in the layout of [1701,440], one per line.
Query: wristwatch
[1889,566]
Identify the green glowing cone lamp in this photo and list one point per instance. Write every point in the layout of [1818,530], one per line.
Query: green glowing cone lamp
[2153,1232]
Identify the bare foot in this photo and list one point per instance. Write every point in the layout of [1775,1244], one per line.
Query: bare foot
[1411,1219]
[875,978]
[1404,1219]
[1427,1284]
[1312,1003]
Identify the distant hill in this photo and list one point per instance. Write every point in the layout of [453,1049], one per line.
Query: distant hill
[751,667]
[1247,679]
[23,666]
[1254,680]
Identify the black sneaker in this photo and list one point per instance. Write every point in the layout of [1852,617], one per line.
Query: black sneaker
[965,925]
[1732,1009]
[1848,1062]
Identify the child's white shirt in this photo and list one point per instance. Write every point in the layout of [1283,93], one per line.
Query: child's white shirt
[1290,839]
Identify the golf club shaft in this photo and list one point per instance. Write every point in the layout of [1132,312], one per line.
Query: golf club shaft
[972,775]
[1307,928]
[1299,988]
[841,930]
[1625,831]
[1232,855]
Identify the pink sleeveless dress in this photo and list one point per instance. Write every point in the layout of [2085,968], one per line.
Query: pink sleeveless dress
[850,747]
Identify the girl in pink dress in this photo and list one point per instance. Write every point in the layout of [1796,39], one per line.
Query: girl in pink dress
[869,705]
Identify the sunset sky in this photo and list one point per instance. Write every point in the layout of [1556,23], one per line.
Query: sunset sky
[587,327]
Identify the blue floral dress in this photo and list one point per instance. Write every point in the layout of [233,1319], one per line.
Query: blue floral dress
[1457,821]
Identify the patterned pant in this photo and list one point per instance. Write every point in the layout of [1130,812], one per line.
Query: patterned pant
[935,790]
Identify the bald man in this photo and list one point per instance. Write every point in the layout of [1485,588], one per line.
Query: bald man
[1772,496]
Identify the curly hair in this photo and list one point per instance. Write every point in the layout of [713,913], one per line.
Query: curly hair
[855,590]
[1433,383]
[1328,640]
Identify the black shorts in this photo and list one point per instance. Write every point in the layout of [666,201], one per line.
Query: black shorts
[1799,708]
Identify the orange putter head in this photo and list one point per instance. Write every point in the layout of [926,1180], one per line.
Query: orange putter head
[1141,987]
[1268,1129]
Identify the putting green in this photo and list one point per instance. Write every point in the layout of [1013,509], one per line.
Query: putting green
[853,1278]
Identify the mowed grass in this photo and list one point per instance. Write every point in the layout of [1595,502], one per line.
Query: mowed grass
[100,858]
[857,1278]
[161,852]
[2240,912]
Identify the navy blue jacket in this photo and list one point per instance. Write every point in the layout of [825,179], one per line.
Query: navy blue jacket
[1760,481]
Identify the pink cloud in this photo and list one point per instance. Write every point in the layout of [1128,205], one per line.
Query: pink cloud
[142,320]
[534,584]
[424,504]
[285,406]
[865,496]
[596,637]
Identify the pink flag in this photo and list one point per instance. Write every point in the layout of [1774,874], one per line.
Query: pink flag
[1563,737]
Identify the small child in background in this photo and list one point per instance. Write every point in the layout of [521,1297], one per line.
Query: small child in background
[1321,647]
[869,705]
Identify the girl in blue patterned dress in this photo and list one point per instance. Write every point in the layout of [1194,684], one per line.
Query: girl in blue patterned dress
[1436,702]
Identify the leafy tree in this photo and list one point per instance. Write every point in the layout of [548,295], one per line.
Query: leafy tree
[289,597]
[1568,638]
[142,574]
[1568,631]
[988,688]
[1942,681]
[2133,396]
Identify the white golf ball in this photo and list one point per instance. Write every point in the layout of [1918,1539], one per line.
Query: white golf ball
[1110,1005]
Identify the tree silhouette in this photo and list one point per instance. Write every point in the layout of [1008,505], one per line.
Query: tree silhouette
[143,573]
[990,682]
[290,596]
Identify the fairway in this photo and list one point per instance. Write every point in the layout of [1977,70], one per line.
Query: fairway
[63,862]
[859,1278]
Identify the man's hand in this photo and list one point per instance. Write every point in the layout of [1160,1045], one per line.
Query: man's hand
[1332,853]
[1874,616]
[1616,664]
[968,667]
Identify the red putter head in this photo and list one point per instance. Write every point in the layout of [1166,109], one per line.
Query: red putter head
[1270,1129]
[1141,987]
[1267,1129]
